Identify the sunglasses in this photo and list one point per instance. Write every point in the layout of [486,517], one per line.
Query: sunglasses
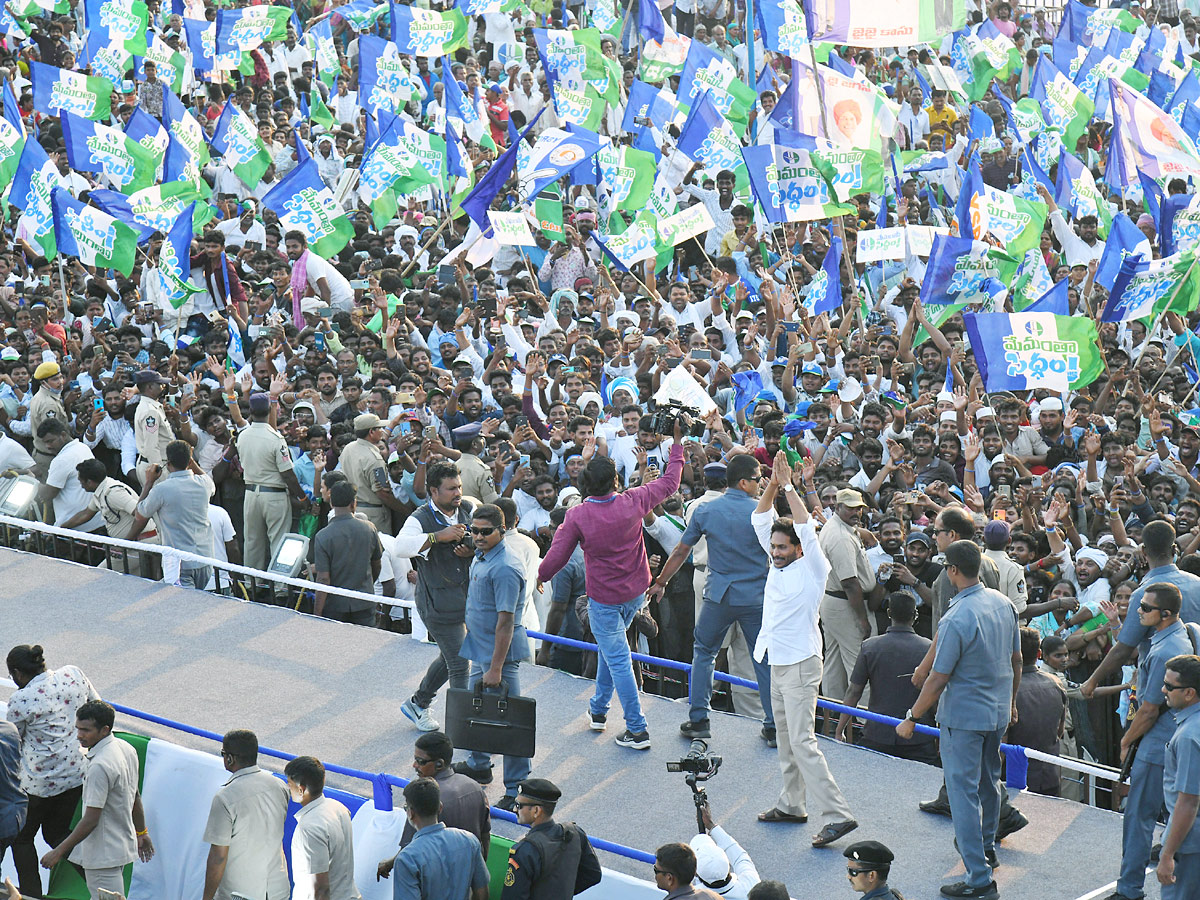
[658,871]
[1168,687]
[1144,608]
[519,805]
[482,532]
[422,761]
[853,872]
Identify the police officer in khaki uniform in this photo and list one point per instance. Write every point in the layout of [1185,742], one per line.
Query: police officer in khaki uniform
[477,480]
[364,467]
[46,404]
[552,861]
[267,468]
[151,430]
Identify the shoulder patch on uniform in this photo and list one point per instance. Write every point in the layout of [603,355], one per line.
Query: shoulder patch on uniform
[509,878]
[151,422]
[50,414]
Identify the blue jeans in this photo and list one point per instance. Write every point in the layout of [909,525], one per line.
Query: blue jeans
[614,666]
[711,627]
[1137,828]
[971,761]
[516,768]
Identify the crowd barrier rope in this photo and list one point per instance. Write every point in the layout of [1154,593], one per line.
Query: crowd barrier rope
[1017,756]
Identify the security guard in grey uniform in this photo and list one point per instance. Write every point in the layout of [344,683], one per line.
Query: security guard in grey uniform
[868,868]
[365,468]
[552,861]
[267,468]
[46,404]
[151,431]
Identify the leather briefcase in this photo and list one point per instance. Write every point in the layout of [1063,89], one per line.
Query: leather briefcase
[491,721]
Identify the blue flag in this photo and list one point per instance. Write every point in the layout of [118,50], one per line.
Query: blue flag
[1176,231]
[650,21]
[708,138]
[746,386]
[825,288]
[120,208]
[458,106]
[12,109]
[1023,351]
[649,109]
[174,263]
[1053,301]
[201,50]
[62,90]
[980,125]
[477,203]
[33,185]
[457,165]
[961,270]
[1123,239]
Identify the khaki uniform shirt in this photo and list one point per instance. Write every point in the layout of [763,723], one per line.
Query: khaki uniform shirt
[110,784]
[117,503]
[323,842]
[360,459]
[151,432]
[476,478]
[45,405]
[247,816]
[264,455]
[847,559]
[1012,579]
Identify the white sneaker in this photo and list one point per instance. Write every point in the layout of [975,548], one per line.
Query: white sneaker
[422,718]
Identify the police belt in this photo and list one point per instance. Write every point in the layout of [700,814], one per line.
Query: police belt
[372,505]
[266,489]
[841,595]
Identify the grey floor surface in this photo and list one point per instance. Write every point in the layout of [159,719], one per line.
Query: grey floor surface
[306,685]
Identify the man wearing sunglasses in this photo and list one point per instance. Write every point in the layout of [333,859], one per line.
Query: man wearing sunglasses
[1148,733]
[495,643]
[868,865]
[1179,864]
[553,860]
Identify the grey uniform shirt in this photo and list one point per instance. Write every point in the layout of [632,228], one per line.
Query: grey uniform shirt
[247,816]
[179,505]
[323,842]
[975,642]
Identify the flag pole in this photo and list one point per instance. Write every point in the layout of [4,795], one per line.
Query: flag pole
[1158,319]
[62,279]
[752,73]
[428,243]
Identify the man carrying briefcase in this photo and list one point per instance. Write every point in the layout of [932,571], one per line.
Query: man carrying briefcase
[495,642]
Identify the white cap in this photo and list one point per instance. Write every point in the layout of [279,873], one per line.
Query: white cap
[1052,404]
[590,397]
[985,412]
[711,863]
[945,395]
[948,416]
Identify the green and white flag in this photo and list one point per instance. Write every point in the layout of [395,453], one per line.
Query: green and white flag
[584,108]
[236,139]
[1032,280]
[687,223]
[12,142]
[548,210]
[119,21]
[1064,107]
[510,229]
[1016,223]
[319,113]
[92,147]
[848,170]
[626,173]
[661,60]
[170,65]
[111,63]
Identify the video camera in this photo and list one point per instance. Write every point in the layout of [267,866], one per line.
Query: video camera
[662,421]
[700,765]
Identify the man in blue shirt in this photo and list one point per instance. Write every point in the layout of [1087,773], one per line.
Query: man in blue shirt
[1148,733]
[1158,544]
[439,862]
[1179,864]
[495,643]
[737,578]
[978,664]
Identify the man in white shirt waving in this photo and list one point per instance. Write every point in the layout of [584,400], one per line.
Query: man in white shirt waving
[791,638]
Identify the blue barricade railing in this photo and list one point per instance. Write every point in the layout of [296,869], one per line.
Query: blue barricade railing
[381,784]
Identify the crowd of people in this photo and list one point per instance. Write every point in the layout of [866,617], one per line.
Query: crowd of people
[583,423]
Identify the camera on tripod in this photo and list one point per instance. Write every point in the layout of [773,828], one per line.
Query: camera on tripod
[700,765]
[662,421]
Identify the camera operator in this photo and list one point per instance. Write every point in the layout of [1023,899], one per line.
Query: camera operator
[608,525]
[722,865]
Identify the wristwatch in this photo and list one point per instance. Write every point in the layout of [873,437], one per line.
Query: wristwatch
[789,487]
[909,717]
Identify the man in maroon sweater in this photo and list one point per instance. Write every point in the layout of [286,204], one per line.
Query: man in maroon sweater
[608,525]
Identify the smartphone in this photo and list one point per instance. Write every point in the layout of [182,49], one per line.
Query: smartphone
[445,275]
[759,433]
[1118,481]
[215,315]
[405,427]
[113,895]
[885,329]
[521,421]
[907,368]
[406,397]
[702,354]
[73,385]
[792,327]
[359,284]
[960,346]
[524,461]
[253,245]
[570,370]
[324,311]
[674,361]
[1036,481]
[430,432]
[319,341]
[999,515]
[97,403]
[20,286]
[381,476]
[1004,490]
